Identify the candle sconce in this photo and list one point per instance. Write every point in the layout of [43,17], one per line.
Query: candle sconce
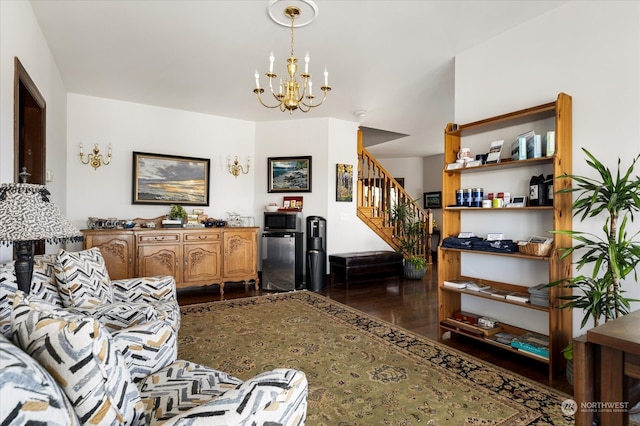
[95,159]
[235,168]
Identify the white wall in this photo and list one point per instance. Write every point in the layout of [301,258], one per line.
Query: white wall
[328,142]
[589,50]
[409,168]
[20,36]
[345,231]
[107,191]
[432,179]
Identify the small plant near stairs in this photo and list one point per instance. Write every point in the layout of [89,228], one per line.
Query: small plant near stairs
[409,233]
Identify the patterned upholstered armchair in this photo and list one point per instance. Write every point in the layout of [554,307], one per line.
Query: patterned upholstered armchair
[83,349]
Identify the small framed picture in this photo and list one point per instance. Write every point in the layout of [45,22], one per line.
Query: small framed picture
[289,174]
[433,200]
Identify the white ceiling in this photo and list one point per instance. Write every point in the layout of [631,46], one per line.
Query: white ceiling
[394,59]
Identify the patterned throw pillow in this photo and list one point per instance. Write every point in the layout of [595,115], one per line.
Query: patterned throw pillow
[83,280]
[146,348]
[78,352]
[119,315]
[43,282]
[29,393]
[8,288]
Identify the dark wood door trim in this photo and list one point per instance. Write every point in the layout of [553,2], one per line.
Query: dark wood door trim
[29,126]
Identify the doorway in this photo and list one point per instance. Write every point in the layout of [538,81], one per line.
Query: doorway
[29,127]
[29,135]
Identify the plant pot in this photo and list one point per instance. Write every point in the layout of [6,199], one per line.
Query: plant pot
[570,371]
[412,273]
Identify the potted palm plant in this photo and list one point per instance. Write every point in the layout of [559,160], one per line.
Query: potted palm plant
[410,234]
[614,254]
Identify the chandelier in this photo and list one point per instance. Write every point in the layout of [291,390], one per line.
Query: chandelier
[292,95]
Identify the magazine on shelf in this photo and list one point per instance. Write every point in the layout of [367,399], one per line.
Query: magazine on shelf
[502,294]
[456,283]
[532,342]
[518,297]
[503,338]
[495,151]
[534,147]
[473,286]
[543,357]
[550,143]
[519,149]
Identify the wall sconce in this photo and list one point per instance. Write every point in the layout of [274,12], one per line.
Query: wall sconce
[235,168]
[95,159]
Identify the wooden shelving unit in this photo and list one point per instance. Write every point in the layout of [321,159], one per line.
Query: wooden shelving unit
[450,260]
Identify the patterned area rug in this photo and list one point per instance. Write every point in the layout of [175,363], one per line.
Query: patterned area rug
[361,370]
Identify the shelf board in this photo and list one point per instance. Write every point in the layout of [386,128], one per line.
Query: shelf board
[457,330]
[504,164]
[496,299]
[539,112]
[508,209]
[493,253]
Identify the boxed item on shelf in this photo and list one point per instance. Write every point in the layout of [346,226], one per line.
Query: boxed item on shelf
[539,295]
[467,317]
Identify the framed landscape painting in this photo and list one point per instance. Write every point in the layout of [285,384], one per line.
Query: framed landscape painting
[289,174]
[433,200]
[170,179]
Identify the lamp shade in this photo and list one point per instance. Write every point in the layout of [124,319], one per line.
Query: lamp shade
[26,214]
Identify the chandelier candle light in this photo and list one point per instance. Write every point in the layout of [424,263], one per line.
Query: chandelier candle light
[290,95]
[95,159]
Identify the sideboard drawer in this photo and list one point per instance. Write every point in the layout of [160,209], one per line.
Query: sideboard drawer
[158,238]
[200,237]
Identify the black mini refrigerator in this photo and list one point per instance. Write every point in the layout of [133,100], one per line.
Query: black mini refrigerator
[316,253]
[282,261]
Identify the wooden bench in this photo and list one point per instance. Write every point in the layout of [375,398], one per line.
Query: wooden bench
[348,266]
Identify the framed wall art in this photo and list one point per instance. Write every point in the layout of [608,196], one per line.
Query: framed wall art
[344,182]
[170,179]
[289,174]
[433,200]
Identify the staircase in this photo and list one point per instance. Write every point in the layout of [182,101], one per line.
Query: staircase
[378,192]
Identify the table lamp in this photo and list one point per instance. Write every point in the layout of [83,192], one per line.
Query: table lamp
[27,216]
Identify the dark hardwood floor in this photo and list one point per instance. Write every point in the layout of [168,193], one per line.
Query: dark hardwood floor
[410,304]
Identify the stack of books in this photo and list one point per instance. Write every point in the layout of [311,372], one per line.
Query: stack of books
[472,324]
[501,294]
[465,284]
[172,223]
[533,343]
[503,338]
[539,295]
[518,297]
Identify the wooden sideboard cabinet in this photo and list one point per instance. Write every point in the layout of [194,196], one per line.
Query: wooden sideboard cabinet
[240,257]
[194,256]
[118,250]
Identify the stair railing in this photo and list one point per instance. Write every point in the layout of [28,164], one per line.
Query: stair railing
[377,193]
